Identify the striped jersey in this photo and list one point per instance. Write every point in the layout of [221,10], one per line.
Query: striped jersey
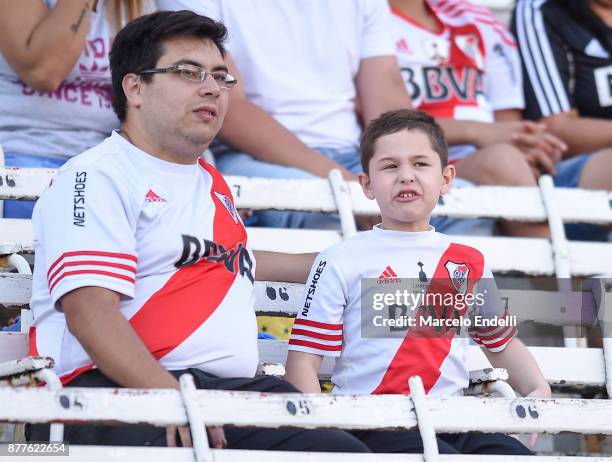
[339,309]
[566,51]
[164,236]
[466,70]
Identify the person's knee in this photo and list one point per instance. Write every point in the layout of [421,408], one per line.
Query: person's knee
[500,164]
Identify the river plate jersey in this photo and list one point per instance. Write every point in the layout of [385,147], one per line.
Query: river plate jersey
[330,322]
[164,236]
[467,70]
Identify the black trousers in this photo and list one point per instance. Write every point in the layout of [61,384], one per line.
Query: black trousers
[448,443]
[284,439]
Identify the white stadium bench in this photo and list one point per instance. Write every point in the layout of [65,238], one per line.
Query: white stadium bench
[564,368]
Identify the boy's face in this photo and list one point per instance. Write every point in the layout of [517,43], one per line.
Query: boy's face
[406,179]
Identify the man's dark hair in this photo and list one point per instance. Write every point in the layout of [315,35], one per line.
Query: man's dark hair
[140,44]
[396,121]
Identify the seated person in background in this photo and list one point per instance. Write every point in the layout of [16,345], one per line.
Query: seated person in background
[566,50]
[55,83]
[461,66]
[315,72]
[304,65]
[404,158]
[152,277]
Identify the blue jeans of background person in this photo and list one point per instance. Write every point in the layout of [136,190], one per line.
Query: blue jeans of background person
[23,209]
[568,175]
[242,164]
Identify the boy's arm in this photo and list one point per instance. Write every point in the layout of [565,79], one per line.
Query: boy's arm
[302,371]
[286,267]
[524,373]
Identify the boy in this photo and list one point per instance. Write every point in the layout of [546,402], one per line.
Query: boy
[404,159]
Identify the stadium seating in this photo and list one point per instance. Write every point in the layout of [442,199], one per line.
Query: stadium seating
[563,367]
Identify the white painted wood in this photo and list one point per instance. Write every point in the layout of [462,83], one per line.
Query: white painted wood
[509,203]
[197,424]
[488,375]
[590,258]
[587,258]
[164,407]
[261,193]
[574,368]
[15,290]
[583,367]
[560,366]
[278,298]
[292,240]
[24,183]
[424,421]
[501,253]
[344,204]
[25,365]
[149,454]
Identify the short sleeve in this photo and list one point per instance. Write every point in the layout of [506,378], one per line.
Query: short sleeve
[546,67]
[85,223]
[209,8]
[503,80]
[376,36]
[318,326]
[492,326]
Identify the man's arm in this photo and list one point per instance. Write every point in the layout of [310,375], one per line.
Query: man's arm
[285,267]
[250,129]
[43,45]
[380,87]
[524,374]
[303,371]
[93,317]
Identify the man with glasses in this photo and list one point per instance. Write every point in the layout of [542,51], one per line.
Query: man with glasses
[142,267]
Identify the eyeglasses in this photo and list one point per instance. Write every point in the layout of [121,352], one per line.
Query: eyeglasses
[197,74]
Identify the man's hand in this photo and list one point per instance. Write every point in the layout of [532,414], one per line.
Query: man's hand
[535,135]
[542,150]
[216,436]
[184,435]
[542,392]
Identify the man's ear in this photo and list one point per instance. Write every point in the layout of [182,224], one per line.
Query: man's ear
[448,174]
[366,185]
[132,88]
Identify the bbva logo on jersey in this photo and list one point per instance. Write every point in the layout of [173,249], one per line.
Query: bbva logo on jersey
[458,274]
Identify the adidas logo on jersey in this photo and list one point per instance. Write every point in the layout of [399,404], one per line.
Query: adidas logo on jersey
[152,197]
[388,276]
[402,47]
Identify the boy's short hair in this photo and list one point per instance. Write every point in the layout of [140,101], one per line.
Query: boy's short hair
[396,121]
[140,44]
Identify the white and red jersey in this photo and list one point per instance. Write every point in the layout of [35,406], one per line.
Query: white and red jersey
[467,70]
[164,236]
[331,320]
